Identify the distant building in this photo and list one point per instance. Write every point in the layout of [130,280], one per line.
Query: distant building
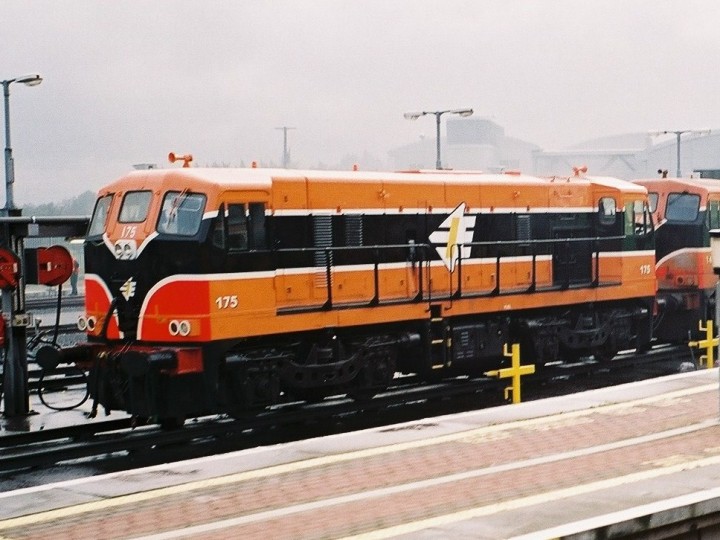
[481,144]
[619,156]
[634,155]
[472,144]
[707,173]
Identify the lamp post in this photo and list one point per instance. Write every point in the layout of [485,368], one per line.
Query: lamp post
[27,80]
[438,114]
[286,154]
[678,134]
[15,380]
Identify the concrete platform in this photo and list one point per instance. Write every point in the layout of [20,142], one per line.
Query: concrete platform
[571,466]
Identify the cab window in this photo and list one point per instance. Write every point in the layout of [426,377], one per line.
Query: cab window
[135,207]
[241,228]
[256,216]
[714,215]
[181,213]
[638,219]
[100,215]
[682,207]
[237,226]
[653,200]
[606,211]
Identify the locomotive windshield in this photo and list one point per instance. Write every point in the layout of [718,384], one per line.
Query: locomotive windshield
[181,213]
[135,207]
[100,215]
[682,207]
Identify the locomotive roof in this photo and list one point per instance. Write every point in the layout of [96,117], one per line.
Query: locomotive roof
[616,183]
[262,179]
[707,185]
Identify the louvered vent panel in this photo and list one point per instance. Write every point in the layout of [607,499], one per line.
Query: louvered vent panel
[322,234]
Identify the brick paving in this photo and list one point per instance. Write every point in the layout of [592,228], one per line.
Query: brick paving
[476,450]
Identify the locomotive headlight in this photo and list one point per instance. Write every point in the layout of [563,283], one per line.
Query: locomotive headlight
[91,323]
[174,328]
[82,323]
[184,328]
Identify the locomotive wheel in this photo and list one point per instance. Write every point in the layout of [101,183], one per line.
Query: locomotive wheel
[374,378]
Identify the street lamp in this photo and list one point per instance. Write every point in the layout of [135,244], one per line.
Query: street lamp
[15,386]
[678,134]
[27,80]
[438,114]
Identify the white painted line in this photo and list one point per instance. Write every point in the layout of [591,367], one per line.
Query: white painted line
[516,504]
[621,516]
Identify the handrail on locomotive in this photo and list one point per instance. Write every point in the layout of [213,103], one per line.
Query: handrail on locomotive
[421,254]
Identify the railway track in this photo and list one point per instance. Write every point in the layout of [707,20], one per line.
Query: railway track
[120,439]
[50,302]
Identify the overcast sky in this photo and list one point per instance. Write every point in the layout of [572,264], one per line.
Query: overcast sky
[126,82]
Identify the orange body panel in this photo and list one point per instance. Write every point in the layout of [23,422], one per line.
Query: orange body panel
[689,267]
[569,193]
[290,194]
[207,302]
[176,299]
[396,195]
[332,194]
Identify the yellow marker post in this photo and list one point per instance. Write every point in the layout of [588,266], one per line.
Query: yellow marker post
[515,371]
[709,344]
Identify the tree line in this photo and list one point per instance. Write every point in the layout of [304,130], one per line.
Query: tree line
[82,205]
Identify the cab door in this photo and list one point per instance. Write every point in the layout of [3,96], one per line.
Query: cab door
[245,288]
[639,228]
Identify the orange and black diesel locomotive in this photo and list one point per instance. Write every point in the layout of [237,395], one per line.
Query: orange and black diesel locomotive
[222,290]
[684,211]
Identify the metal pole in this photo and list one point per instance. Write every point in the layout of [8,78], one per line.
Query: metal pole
[438,114]
[286,154]
[9,176]
[15,395]
[15,373]
[438,163]
[678,140]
